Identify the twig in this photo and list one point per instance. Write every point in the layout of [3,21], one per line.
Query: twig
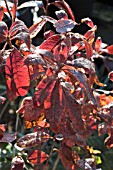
[56,163]
[4,108]
[8,8]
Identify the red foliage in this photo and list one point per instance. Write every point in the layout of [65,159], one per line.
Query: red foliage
[64,99]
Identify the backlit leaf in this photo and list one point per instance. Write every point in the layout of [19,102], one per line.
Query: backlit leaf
[34,29]
[111,75]
[37,157]
[17,76]
[2,130]
[88,21]
[31,4]
[61,14]
[98,44]
[110,49]
[50,42]
[1,13]
[2,99]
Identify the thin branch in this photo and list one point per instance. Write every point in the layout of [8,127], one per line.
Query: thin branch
[56,163]
[8,8]
[4,108]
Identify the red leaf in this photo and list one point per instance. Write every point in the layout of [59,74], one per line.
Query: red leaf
[37,157]
[64,25]
[34,29]
[50,42]
[88,21]
[1,13]
[61,53]
[98,44]
[2,131]
[110,49]
[63,5]
[3,31]
[17,76]
[89,49]
[44,89]
[111,75]
[17,163]
[32,139]
[48,34]
[13,10]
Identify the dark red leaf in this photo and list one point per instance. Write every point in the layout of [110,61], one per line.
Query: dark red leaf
[3,31]
[63,5]
[81,77]
[1,13]
[61,53]
[17,163]
[110,49]
[47,55]
[32,139]
[90,34]
[2,99]
[37,157]
[17,76]
[64,25]
[111,75]
[44,89]
[61,14]
[88,21]
[34,29]
[50,42]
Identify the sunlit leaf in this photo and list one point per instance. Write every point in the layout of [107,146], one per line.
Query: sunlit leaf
[64,25]
[17,76]
[17,163]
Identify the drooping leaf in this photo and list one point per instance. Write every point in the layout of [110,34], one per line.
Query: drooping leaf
[50,42]
[37,157]
[81,77]
[84,63]
[17,163]
[63,5]
[17,76]
[32,139]
[3,31]
[88,21]
[34,59]
[64,25]
[1,13]
[31,4]
[34,29]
